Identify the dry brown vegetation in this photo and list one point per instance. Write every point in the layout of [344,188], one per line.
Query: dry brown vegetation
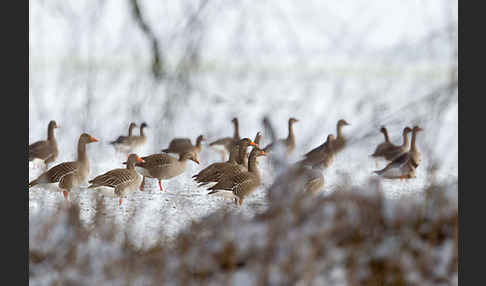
[353,236]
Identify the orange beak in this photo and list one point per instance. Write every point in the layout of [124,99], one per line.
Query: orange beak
[140,160]
[92,139]
[195,160]
[263,153]
[253,144]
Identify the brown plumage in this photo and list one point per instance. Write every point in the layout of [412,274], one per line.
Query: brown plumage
[124,181]
[123,143]
[323,157]
[183,145]
[383,147]
[45,150]
[241,184]
[340,141]
[395,151]
[163,166]
[227,143]
[403,166]
[216,171]
[69,174]
[139,141]
[288,142]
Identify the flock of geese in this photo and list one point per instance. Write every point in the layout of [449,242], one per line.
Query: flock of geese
[238,176]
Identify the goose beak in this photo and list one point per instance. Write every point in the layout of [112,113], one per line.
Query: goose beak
[195,160]
[140,160]
[263,153]
[92,139]
[253,144]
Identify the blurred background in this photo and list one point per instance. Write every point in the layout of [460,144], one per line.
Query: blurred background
[188,67]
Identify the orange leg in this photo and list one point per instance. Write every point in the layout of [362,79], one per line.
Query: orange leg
[65,193]
[143,184]
[120,201]
[160,185]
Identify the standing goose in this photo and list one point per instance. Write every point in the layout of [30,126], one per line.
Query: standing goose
[324,156]
[69,174]
[243,183]
[403,166]
[288,142]
[227,143]
[123,143]
[183,145]
[395,151]
[383,147]
[139,141]
[216,171]
[45,150]
[124,181]
[339,142]
[163,166]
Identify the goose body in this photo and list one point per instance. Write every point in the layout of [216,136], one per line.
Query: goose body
[241,183]
[69,175]
[123,144]
[404,166]
[45,150]
[323,156]
[216,171]
[395,151]
[288,142]
[338,142]
[224,145]
[164,166]
[124,181]
[183,145]
[382,148]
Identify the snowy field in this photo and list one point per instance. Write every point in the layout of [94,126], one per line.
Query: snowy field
[401,73]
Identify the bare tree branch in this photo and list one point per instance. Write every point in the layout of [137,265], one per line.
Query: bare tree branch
[157,61]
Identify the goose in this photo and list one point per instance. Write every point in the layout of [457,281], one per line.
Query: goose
[288,142]
[45,150]
[242,183]
[183,145]
[227,143]
[324,157]
[382,147]
[395,151]
[216,171]
[164,166]
[404,166]
[338,144]
[123,143]
[69,174]
[124,181]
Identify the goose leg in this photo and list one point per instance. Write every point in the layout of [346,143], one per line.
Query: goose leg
[120,201]
[143,184]
[65,193]
[223,155]
[160,185]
